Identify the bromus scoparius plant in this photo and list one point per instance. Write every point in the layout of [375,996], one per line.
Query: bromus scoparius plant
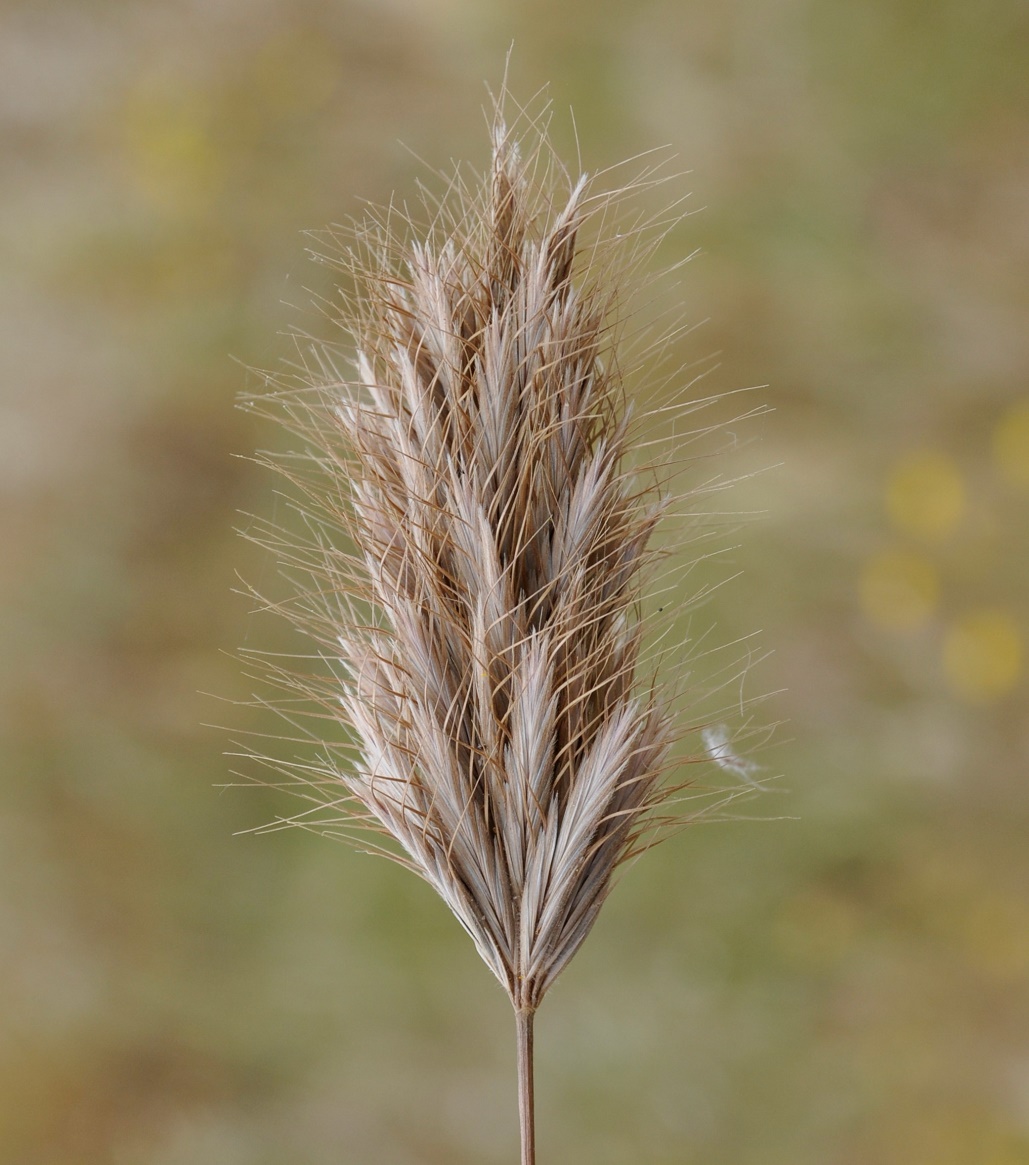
[473,535]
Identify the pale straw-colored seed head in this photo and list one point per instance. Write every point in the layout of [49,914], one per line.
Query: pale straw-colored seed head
[475,539]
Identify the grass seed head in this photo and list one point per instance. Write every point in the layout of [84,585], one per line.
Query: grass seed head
[474,537]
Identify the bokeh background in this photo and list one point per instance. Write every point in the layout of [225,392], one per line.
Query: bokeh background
[847,986]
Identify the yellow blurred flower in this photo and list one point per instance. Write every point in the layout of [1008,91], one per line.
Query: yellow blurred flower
[1011,445]
[899,590]
[982,655]
[172,158]
[925,495]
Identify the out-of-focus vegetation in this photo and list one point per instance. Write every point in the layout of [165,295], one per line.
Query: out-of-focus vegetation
[845,988]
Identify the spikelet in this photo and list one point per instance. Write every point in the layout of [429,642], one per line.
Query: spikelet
[471,575]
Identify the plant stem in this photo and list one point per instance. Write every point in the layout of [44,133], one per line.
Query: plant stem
[526,1103]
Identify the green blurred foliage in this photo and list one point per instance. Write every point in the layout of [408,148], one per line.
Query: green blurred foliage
[843,987]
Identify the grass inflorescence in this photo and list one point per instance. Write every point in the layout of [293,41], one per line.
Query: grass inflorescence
[473,536]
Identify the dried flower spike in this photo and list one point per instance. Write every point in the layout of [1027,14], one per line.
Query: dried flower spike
[476,541]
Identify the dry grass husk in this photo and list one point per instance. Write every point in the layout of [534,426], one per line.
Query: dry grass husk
[476,536]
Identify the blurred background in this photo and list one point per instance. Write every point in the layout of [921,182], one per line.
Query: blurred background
[845,987]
